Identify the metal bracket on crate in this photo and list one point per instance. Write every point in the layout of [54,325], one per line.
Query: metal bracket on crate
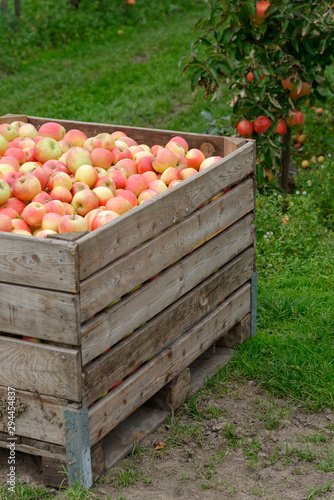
[253,303]
[77,441]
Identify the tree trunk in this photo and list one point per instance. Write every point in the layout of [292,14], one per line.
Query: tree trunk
[74,3]
[17,8]
[4,9]
[285,160]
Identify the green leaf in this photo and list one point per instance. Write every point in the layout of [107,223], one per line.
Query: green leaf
[251,6]
[207,115]
[274,101]
[195,79]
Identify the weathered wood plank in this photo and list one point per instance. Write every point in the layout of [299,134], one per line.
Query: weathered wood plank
[39,262]
[139,387]
[143,262]
[115,323]
[43,314]
[68,236]
[10,118]
[231,144]
[238,334]
[37,416]
[147,220]
[173,394]
[145,342]
[47,369]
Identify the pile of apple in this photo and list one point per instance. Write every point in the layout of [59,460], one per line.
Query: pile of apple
[53,181]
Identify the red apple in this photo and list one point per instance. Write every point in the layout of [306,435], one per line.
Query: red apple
[5,223]
[182,142]
[102,158]
[84,201]
[72,223]
[119,204]
[33,214]
[53,130]
[51,221]
[118,178]
[75,137]
[103,218]
[136,183]
[77,157]
[128,195]
[164,159]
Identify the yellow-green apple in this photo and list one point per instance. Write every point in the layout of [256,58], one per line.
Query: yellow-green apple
[26,167]
[20,155]
[10,212]
[150,175]
[76,157]
[130,166]
[42,197]
[33,214]
[55,206]
[53,130]
[119,205]
[120,153]
[106,182]
[173,183]
[155,148]
[175,147]
[188,172]
[26,187]
[181,141]
[104,194]
[79,186]
[10,160]
[65,146]
[163,160]
[88,144]
[17,124]
[170,174]
[15,204]
[72,224]
[6,169]
[103,140]
[61,193]
[118,177]
[101,172]
[84,201]
[194,158]
[128,195]
[76,137]
[159,186]
[27,130]
[87,174]
[101,158]
[60,179]
[52,166]
[102,218]
[145,164]
[136,183]
[125,140]
[69,210]
[20,224]
[142,154]
[3,145]
[145,147]
[47,149]
[51,221]
[90,216]
[135,149]
[147,194]
[209,161]
[22,232]
[117,134]
[8,131]
[45,232]
[36,231]
[5,223]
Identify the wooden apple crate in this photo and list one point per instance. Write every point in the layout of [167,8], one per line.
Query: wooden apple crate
[179,272]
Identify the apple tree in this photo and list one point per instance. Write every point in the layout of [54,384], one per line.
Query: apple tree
[267,59]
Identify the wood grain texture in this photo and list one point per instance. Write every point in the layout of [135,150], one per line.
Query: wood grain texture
[173,394]
[146,341]
[39,262]
[123,275]
[37,416]
[47,369]
[115,323]
[147,220]
[139,387]
[238,334]
[42,314]
[9,118]
[231,144]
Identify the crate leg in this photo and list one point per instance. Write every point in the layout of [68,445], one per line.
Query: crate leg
[173,394]
[54,472]
[238,334]
[254,303]
[79,466]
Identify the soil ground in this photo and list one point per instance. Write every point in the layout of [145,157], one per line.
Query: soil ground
[232,442]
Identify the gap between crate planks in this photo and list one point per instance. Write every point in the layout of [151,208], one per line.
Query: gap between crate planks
[183,267]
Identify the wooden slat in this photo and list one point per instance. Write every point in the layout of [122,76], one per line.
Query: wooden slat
[9,118]
[37,416]
[231,144]
[139,387]
[147,220]
[115,323]
[43,314]
[145,342]
[156,254]
[47,369]
[39,262]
